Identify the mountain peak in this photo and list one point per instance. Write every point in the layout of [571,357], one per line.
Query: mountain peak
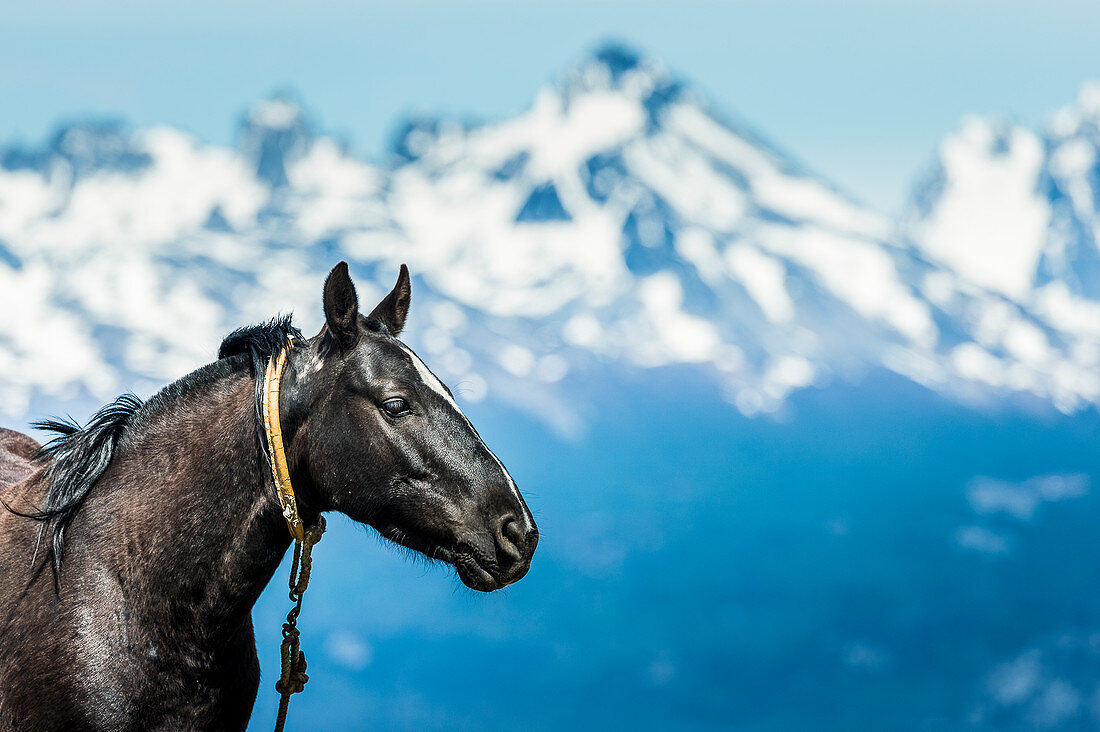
[994,241]
[278,112]
[616,66]
[87,147]
[617,57]
[273,133]
[1081,115]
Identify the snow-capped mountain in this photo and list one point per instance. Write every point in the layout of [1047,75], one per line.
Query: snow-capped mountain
[620,220]
[1015,213]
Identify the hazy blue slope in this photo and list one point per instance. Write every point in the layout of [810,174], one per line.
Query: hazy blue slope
[701,570]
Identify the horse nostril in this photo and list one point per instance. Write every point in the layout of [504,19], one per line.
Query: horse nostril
[510,538]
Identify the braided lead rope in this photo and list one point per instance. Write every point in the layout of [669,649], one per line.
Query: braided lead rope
[293,677]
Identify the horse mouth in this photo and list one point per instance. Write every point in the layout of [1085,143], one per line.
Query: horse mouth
[473,574]
[474,570]
[482,574]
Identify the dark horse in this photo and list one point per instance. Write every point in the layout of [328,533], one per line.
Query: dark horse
[135,547]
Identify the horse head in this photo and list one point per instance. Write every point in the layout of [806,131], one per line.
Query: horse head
[374,434]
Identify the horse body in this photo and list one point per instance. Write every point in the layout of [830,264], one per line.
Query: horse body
[134,548]
[16,451]
[149,625]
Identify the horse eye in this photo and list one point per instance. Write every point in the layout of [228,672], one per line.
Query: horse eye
[396,407]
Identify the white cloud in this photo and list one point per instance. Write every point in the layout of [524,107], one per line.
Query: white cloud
[1020,500]
[347,648]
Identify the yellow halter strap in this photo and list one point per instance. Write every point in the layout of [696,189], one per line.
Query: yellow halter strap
[273,431]
[293,677]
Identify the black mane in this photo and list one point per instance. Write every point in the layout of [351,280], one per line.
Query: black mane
[80,455]
[261,343]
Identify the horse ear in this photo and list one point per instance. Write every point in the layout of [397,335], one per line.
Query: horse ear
[395,306]
[341,305]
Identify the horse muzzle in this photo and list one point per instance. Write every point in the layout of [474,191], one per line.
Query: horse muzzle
[490,562]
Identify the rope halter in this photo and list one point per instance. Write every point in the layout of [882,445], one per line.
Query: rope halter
[293,677]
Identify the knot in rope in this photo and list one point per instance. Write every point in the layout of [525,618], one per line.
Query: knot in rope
[294,676]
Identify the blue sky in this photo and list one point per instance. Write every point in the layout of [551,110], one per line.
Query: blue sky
[860,91]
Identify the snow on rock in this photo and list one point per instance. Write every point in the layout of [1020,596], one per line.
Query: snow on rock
[619,221]
[1016,214]
[989,221]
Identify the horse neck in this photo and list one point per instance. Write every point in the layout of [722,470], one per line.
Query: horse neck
[191,497]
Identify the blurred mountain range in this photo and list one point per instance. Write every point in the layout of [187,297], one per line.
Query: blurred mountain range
[621,222]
